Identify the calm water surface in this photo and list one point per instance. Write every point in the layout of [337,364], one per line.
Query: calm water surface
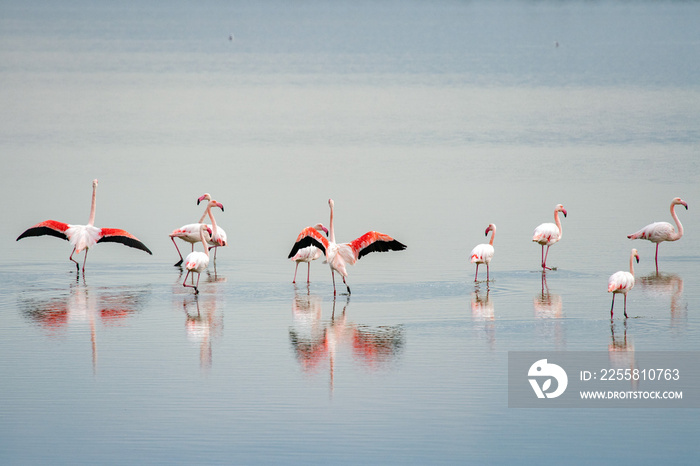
[423,121]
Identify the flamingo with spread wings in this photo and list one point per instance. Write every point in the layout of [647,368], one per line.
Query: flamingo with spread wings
[338,256]
[308,254]
[84,236]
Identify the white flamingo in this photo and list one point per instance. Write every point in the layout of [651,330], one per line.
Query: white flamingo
[190,233]
[197,261]
[84,236]
[483,253]
[547,234]
[308,254]
[622,282]
[340,255]
[662,231]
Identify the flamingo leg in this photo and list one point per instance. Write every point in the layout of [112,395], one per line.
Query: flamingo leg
[477,272]
[178,263]
[85,259]
[295,273]
[308,273]
[77,265]
[625,305]
[544,262]
[612,307]
[346,285]
[487,273]
[184,282]
[196,287]
[656,258]
[333,277]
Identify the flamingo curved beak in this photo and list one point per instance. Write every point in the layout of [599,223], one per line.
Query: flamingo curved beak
[563,211]
[685,204]
[325,230]
[202,197]
[486,233]
[220,206]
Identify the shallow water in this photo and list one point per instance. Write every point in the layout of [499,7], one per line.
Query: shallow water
[423,121]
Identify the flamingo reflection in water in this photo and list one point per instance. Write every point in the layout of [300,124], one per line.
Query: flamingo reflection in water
[203,324]
[316,342]
[549,311]
[84,304]
[621,351]
[667,286]
[483,312]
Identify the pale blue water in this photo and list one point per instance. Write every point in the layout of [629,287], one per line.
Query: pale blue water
[426,121]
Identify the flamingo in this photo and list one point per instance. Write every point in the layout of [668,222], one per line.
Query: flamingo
[622,282]
[197,261]
[84,236]
[662,231]
[547,234]
[190,232]
[308,254]
[340,255]
[483,253]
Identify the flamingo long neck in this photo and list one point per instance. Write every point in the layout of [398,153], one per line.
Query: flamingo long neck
[203,238]
[493,235]
[632,264]
[213,222]
[92,206]
[558,222]
[678,222]
[331,229]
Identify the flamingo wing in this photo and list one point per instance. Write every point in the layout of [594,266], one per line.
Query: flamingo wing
[309,236]
[373,241]
[49,227]
[655,232]
[620,282]
[547,233]
[482,253]
[116,235]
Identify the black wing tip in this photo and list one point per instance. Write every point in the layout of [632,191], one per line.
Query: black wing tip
[305,242]
[41,231]
[382,246]
[132,243]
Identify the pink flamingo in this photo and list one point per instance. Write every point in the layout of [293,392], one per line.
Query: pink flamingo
[84,236]
[662,231]
[483,253]
[547,234]
[340,255]
[197,261]
[308,254]
[190,232]
[622,282]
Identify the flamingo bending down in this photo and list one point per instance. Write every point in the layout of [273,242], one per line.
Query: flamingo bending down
[547,234]
[483,253]
[340,255]
[622,282]
[197,261]
[662,231]
[308,254]
[84,236]
[190,232]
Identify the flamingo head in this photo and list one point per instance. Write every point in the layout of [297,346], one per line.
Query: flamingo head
[209,230]
[205,196]
[560,208]
[679,201]
[320,227]
[94,183]
[491,227]
[636,255]
[218,204]
[330,203]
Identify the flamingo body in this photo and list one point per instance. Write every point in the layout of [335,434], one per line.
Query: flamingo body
[197,262]
[622,282]
[659,232]
[338,256]
[83,237]
[483,253]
